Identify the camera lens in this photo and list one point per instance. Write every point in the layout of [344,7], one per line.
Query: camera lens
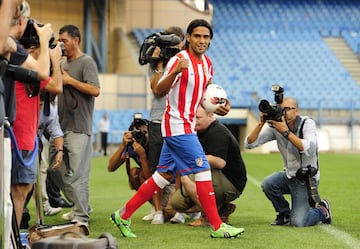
[264,106]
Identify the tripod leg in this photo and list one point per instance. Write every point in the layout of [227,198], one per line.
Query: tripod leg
[15,233]
[38,200]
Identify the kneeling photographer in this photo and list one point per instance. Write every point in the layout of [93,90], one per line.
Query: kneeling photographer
[134,145]
[297,142]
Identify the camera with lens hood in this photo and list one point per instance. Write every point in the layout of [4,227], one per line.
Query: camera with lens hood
[30,37]
[136,133]
[273,112]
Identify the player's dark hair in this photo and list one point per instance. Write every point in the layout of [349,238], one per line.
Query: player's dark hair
[198,23]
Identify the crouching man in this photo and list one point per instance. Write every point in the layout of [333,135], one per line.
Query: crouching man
[227,169]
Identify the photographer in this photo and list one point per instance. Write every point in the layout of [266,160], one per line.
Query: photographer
[20,57]
[26,125]
[135,145]
[297,142]
[9,10]
[227,170]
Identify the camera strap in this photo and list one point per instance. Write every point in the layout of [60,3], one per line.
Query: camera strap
[32,90]
[301,136]
[313,192]
[127,160]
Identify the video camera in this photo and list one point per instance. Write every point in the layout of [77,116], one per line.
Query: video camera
[165,41]
[18,73]
[273,112]
[136,133]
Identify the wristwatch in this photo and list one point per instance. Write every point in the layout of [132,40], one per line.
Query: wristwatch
[286,133]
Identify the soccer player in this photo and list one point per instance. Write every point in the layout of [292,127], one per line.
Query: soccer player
[184,81]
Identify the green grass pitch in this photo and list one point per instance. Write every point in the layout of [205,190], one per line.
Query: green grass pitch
[339,183]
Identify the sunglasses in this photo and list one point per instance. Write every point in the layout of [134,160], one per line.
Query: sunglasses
[286,108]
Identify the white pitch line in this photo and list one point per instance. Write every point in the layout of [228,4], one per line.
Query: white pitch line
[253,181]
[346,238]
[342,236]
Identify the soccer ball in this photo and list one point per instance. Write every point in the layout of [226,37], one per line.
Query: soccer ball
[213,97]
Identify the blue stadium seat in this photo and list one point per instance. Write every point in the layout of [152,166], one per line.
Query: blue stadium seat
[260,43]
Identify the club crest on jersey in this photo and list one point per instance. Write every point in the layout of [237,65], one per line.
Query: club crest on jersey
[199,161]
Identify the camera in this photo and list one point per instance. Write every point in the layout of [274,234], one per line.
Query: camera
[30,37]
[136,133]
[137,120]
[18,73]
[165,41]
[305,172]
[273,112]
[306,175]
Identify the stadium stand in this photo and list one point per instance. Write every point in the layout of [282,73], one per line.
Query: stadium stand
[264,42]
[260,43]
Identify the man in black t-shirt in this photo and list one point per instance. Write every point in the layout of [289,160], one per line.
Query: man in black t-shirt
[227,167]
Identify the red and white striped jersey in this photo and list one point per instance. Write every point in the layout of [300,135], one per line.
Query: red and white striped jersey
[185,95]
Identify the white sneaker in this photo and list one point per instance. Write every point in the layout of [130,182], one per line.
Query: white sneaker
[150,216]
[158,218]
[68,216]
[178,218]
[195,216]
[50,211]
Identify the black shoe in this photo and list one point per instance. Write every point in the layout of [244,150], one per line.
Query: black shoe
[24,224]
[281,220]
[325,206]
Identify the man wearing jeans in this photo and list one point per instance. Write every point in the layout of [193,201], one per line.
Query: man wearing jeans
[297,142]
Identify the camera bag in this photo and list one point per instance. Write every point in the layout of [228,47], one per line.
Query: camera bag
[75,240]
[40,232]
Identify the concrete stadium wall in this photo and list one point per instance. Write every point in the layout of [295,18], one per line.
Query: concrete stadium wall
[123,91]
[342,137]
[58,13]
[130,14]
[123,15]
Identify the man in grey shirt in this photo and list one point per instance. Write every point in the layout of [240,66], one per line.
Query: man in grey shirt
[155,138]
[75,107]
[297,142]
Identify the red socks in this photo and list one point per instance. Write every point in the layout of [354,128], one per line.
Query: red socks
[142,195]
[206,197]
